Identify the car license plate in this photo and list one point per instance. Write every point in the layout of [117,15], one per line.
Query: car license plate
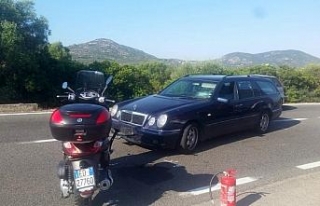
[84,178]
[126,130]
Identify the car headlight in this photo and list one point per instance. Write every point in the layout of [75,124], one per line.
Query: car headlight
[118,114]
[162,120]
[151,121]
[114,110]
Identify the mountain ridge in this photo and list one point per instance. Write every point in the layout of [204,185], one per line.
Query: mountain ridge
[102,49]
[105,49]
[288,57]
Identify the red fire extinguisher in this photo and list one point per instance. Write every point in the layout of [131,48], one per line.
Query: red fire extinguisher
[228,188]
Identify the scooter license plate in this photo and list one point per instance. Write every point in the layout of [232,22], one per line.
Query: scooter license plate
[84,178]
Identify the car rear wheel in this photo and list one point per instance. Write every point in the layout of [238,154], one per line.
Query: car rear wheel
[190,138]
[264,122]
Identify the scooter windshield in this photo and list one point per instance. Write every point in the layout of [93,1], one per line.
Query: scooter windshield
[90,80]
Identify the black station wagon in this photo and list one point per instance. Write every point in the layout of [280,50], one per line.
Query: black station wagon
[197,107]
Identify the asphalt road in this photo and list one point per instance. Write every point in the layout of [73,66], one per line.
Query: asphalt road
[29,156]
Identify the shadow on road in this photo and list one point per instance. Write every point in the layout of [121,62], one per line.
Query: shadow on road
[250,198]
[138,180]
[278,124]
[288,107]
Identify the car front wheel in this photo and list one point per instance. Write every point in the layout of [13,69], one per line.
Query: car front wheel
[190,138]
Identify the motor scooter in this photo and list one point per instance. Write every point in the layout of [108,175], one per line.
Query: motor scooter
[83,126]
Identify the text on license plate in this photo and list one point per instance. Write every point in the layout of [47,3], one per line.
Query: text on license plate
[84,177]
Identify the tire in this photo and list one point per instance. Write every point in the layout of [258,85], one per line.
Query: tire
[264,122]
[189,139]
[80,201]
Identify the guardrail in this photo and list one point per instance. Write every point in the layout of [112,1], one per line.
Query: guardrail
[20,107]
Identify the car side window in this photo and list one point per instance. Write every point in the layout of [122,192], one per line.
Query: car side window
[245,89]
[256,89]
[202,89]
[267,87]
[227,91]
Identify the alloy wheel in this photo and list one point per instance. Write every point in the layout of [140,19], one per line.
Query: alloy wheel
[264,122]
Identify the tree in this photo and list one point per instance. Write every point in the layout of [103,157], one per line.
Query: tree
[128,82]
[23,38]
[59,52]
[158,74]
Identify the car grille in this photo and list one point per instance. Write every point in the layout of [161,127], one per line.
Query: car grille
[133,117]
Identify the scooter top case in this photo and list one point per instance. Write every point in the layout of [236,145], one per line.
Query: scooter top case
[80,122]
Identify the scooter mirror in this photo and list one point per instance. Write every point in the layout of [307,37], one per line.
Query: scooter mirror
[107,82]
[64,85]
[109,79]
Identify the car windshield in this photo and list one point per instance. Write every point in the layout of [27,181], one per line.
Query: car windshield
[190,88]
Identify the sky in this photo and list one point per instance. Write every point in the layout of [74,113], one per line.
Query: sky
[187,29]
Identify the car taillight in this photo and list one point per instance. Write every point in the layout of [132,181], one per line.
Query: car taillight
[103,117]
[56,117]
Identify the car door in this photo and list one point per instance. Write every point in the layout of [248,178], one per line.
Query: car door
[245,106]
[219,116]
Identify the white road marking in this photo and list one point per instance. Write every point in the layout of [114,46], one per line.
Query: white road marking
[290,119]
[203,190]
[25,113]
[175,163]
[306,104]
[38,141]
[309,165]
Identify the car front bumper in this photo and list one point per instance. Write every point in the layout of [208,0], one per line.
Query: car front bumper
[146,137]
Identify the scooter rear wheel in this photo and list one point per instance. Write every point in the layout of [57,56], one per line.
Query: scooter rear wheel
[80,201]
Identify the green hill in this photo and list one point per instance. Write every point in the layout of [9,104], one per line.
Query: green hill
[106,49]
[292,58]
